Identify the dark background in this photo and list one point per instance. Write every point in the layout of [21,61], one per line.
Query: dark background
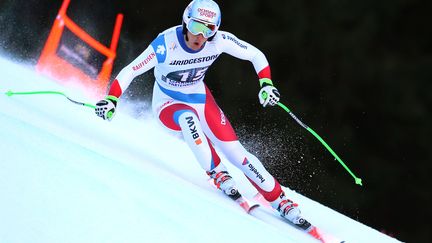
[357,72]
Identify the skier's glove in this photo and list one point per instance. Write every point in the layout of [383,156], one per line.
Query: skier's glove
[106,108]
[268,95]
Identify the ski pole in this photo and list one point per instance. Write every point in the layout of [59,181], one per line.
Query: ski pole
[10,93]
[358,181]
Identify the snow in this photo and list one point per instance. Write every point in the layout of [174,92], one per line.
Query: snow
[68,176]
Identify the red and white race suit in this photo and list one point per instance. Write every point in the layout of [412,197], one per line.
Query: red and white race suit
[184,105]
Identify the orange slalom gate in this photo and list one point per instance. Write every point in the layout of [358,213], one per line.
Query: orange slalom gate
[53,65]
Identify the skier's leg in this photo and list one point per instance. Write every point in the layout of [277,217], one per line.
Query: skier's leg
[196,139]
[261,179]
[218,128]
[253,169]
[183,118]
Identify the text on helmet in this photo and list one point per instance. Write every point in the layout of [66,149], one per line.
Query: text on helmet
[207,13]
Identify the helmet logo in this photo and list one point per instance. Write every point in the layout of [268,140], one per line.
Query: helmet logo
[207,13]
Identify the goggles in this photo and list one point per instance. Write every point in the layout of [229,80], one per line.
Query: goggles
[196,28]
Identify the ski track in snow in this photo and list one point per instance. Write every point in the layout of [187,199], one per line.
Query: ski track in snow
[68,176]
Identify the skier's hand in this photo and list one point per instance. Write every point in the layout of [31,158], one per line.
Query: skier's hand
[268,95]
[106,108]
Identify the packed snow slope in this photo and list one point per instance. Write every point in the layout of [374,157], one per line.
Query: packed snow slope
[68,176]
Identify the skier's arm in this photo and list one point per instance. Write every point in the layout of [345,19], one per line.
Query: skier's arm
[140,65]
[106,108]
[268,95]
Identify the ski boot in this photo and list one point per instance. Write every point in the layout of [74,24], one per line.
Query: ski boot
[290,211]
[225,183]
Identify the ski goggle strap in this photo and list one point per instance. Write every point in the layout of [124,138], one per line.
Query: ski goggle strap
[196,28]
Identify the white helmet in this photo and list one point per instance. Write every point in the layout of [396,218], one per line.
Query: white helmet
[202,17]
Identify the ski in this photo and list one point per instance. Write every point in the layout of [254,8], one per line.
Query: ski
[303,224]
[250,205]
[237,197]
[244,203]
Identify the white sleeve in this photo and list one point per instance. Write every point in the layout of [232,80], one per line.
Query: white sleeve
[144,62]
[230,44]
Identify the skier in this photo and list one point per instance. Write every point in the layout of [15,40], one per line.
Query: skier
[181,56]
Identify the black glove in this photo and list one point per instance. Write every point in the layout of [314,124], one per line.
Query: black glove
[106,108]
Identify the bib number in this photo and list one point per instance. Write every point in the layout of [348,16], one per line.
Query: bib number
[189,75]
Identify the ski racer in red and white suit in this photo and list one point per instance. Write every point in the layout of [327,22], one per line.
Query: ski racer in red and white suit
[184,105]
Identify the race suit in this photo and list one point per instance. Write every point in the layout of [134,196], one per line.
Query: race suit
[183,103]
